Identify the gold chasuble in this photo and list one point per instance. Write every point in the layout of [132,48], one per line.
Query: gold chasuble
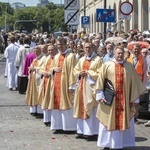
[128,88]
[60,98]
[84,101]
[44,88]
[32,90]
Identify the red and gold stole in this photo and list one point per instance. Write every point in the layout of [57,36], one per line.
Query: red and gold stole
[47,69]
[86,65]
[57,83]
[120,97]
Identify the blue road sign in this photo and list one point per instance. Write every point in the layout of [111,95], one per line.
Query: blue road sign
[105,15]
[85,20]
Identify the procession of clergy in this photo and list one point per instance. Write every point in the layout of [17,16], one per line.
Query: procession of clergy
[63,80]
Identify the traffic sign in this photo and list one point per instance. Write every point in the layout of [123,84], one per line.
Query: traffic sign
[126,17]
[126,8]
[71,17]
[105,15]
[71,4]
[85,21]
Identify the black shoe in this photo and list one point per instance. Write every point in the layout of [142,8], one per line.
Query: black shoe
[70,132]
[136,121]
[79,136]
[39,116]
[58,132]
[106,148]
[91,138]
[21,92]
[48,124]
[33,114]
[10,89]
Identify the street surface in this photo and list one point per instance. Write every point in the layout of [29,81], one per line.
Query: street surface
[21,131]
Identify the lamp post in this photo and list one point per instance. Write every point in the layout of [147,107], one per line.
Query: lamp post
[105,24]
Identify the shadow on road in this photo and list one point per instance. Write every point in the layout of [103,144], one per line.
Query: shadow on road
[140,139]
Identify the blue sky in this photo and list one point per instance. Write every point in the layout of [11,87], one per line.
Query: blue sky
[30,2]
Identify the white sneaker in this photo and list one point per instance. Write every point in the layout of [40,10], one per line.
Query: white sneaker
[147,124]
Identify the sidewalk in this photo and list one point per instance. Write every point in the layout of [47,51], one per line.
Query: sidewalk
[20,131]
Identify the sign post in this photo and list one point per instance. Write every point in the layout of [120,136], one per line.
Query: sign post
[126,8]
[105,15]
[71,12]
[85,21]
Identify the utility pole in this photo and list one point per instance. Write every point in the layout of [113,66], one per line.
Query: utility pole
[84,10]
[105,24]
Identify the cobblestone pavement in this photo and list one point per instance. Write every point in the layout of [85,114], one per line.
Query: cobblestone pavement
[20,131]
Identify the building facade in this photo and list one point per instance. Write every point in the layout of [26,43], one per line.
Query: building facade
[17,5]
[140,18]
[42,3]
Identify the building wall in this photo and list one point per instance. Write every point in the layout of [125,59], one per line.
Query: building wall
[140,18]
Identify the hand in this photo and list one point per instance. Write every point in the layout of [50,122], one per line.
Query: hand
[103,101]
[58,69]
[133,104]
[31,68]
[46,75]
[71,91]
[83,73]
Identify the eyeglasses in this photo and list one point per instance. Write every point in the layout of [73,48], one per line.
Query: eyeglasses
[145,53]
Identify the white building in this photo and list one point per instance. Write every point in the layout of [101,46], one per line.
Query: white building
[17,5]
[140,18]
[42,2]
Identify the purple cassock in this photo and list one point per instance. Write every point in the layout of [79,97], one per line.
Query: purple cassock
[28,61]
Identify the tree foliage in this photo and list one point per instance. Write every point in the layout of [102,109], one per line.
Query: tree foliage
[49,18]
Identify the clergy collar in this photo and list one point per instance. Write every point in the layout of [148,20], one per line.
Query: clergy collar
[90,57]
[47,54]
[118,62]
[40,56]
[66,51]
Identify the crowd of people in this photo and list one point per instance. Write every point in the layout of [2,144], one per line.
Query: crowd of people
[80,83]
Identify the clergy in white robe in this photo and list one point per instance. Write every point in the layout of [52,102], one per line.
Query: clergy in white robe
[116,122]
[85,106]
[34,80]
[10,55]
[45,85]
[23,51]
[60,103]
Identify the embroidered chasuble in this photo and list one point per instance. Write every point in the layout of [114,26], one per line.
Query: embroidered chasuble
[57,83]
[32,92]
[128,88]
[84,115]
[120,101]
[44,86]
[47,69]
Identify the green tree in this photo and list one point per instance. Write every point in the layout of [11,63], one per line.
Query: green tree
[49,16]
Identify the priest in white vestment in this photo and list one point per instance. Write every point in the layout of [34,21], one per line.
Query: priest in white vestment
[85,106]
[116,122]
